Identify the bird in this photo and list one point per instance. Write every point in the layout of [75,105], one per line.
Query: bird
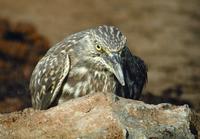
[93,60]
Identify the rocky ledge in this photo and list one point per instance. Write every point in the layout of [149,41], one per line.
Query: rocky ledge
[99,116]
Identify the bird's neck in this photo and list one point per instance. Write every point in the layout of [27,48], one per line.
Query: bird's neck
[103,81]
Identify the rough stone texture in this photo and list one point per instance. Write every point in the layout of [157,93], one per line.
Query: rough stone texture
[99,116]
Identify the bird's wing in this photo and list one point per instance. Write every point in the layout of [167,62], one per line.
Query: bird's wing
[48,77]
[135,74]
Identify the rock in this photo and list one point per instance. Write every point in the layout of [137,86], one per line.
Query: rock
[99,116]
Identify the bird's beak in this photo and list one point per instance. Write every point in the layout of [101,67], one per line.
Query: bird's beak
[116,68]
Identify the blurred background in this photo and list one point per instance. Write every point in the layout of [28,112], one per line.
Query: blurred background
[165,34]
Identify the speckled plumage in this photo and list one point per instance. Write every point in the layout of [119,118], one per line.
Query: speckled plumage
[94,60]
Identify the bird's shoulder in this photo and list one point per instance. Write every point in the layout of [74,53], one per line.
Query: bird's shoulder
[67,43]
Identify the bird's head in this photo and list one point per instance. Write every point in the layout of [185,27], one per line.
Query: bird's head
[103,47]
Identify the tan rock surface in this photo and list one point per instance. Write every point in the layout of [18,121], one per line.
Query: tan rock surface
[100,116]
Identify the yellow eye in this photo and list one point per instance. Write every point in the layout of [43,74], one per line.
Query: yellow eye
[98,47]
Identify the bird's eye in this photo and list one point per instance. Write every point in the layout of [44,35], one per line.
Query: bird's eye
[98,47]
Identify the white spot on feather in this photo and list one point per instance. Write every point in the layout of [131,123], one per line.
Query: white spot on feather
[45,79]
[38,81]
[44,70]
[52,72]
[68,89]
[80,70]
[78,89]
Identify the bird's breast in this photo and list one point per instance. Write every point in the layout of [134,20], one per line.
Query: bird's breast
[82,81]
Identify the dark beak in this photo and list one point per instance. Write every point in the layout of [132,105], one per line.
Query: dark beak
[116,61]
